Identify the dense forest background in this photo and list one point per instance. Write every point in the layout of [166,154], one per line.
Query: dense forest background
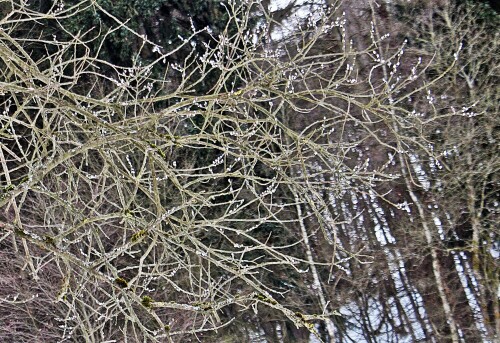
[249,171]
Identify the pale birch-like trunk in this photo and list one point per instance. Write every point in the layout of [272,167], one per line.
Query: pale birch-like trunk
[436,267]
[330,327]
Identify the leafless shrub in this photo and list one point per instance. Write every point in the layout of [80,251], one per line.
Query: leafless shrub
[160,211]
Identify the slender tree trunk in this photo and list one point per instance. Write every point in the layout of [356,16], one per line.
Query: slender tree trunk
[330,327]
[436,266]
